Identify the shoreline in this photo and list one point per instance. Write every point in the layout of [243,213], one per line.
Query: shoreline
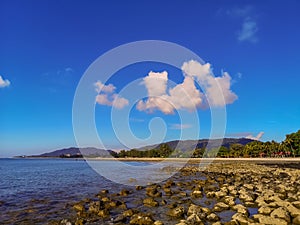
[190,160]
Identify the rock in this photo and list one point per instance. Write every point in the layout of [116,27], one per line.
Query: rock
[241,209]
[103,213]
[265,210]
[138,187]
[281,213]
[250,204]
[220,194]
[229,200]
[232,222]
[78,207]
[150,202]
[153,192]
[65,222]
[105,199]
[210,194]
[196,194]
[217,223]
[168,191]
[158,222]
[177,212]
[94,207]
[249,186]
[296,204]
[124,192]
[182,222]
[206,210]
[141,219]
[128,213]
[296,220]
[104,192]
[182,194]
[267,220]
[294,212]
[194,219]
[79,221]
[213,217]
[220,206]
[246,197]
[240,218]
[120,218]
[194,209]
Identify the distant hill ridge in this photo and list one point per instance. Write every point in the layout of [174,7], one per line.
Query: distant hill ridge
[73,151]
[192,144]
[185,145]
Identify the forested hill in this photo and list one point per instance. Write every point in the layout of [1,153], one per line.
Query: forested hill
[188,145]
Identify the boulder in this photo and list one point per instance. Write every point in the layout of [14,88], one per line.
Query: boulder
[281,213]
[240,218]
[141,219]
[213,217]
[296,220]
[177,212]
[241,209]
[267,220]
[194,219]
[150,202]
[194,209]
[265,210]
[220,206]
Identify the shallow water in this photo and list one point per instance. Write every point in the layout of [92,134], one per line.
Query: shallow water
[38,190]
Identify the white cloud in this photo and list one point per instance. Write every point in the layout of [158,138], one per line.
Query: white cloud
[217,89]
[178,126]
[182,96]
[100,87]
[186,95]
[248,31]
[257,137]
[106,96]
[4,82]
[156,83]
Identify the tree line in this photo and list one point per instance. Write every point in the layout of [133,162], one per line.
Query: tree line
[290,147]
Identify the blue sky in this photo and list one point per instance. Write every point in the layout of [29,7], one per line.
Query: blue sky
[45,47]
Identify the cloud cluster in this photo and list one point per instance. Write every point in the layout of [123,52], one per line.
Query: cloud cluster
[4,82]
[107,96]
[186,95]
[257,137]
[182,96]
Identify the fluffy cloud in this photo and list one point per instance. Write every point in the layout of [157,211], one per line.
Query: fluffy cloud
[216,89]
[106,96]
[182,96]
[156,83]
[248,31]
[257,138]
[4,82]
[104,88]
[186,95]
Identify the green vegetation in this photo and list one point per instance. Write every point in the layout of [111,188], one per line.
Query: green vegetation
[290,147]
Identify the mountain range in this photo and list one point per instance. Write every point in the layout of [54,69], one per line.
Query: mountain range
[185,145]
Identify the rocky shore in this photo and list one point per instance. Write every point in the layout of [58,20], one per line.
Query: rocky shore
[225,193]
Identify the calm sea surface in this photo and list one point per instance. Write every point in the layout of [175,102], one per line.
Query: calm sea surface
[36,190]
